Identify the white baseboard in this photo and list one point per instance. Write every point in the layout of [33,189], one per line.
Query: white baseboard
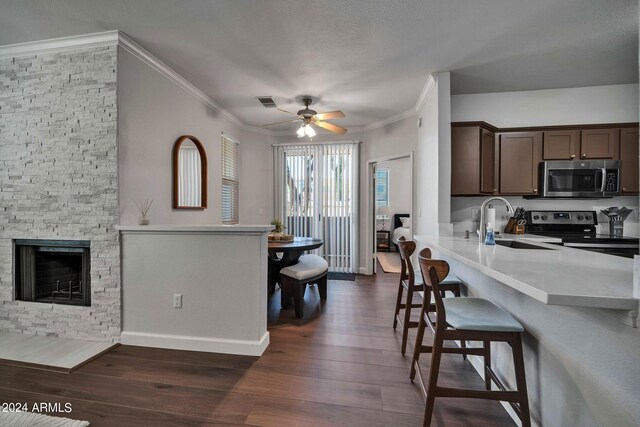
[182,342]
[362,270]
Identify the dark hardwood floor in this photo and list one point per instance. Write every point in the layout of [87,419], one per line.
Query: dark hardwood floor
[338,366]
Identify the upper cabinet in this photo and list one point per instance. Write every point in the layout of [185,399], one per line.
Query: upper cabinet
[519,156]
[560,144]
[581,144]
[472,160]
[600,144]
[629,158]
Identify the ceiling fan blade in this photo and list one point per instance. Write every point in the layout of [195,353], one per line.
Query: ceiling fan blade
[330,127]
[330,115]
[285,111]
[278,123]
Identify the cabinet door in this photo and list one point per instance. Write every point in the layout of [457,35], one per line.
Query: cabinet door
[560,144]
[600,144]
[465,160]
[520,154]
[629,158]
[487,163]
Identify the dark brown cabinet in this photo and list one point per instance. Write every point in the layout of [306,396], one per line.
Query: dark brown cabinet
[629,158]
[560,144]
[600,144]
[519,156]
[472,160]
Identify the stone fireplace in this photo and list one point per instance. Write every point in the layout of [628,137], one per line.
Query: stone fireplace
[53,271]
[59,249]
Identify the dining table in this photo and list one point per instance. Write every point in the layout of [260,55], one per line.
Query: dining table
[291,251]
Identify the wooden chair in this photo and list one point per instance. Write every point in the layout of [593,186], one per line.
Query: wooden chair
[411,280]
[472,319]
[295,278]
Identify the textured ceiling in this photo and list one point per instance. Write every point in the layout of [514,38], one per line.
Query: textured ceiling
[369,58]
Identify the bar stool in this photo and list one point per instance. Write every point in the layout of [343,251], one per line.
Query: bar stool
[473,319]
[411,280]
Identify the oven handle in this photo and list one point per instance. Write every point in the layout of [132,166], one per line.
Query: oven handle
[604,174]
[601,245]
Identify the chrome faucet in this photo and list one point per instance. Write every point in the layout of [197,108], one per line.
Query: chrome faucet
[483,227]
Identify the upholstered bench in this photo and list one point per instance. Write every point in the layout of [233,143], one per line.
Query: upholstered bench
[294,279]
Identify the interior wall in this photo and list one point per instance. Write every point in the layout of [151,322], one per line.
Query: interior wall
[153,113]
[583,105]
[256,178]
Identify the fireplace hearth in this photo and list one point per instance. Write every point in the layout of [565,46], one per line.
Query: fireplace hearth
[53,271]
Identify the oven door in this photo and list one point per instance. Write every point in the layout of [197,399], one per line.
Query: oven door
[580,178]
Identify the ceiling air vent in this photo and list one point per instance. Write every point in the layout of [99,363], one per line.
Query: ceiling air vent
[266,101]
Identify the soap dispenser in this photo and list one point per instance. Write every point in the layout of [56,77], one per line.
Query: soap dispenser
[489,239]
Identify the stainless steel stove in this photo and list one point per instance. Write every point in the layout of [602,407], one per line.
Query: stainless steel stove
[577,229]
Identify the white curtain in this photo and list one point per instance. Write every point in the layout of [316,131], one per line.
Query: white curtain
[189,183]
[316,192]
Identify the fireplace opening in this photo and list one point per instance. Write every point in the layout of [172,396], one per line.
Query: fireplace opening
[53,271]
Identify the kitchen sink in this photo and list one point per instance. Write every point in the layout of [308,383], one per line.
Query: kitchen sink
[516,244]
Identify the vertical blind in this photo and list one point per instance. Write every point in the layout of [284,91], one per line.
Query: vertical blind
[316,196]
[229,181]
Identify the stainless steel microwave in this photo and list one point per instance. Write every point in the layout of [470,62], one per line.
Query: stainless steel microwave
[578,178]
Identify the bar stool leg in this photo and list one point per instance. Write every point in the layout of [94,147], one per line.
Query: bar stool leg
[419,337]
[398,303]
[487,364]
[433,378]
[407,319]
[521,381]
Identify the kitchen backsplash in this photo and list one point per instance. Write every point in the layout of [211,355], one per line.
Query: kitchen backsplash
[461,211]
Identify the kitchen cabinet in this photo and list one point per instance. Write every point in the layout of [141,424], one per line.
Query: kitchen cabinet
[560,144]
[472,160]
[600,144]
[519,156]
[629,158]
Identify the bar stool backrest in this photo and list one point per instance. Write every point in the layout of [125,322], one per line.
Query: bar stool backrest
[433,272]
[406,249]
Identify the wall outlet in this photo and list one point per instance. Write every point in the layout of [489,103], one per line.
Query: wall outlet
[260,211]
[177,300]
[475,214]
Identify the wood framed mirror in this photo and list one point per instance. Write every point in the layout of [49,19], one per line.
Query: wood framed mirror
[189,174]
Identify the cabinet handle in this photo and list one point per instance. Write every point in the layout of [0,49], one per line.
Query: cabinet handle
[624,188]
[495,189]
[535,190]
[584,156]
[573,156]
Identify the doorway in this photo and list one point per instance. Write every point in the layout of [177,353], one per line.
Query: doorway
[390,210]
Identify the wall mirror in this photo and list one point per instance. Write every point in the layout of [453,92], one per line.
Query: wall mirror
[189,174]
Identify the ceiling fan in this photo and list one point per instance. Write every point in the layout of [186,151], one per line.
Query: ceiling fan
[309,117]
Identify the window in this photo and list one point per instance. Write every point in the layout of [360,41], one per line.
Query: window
[229,181]
[382,187]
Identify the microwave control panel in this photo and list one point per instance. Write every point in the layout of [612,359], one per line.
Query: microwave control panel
[611,182]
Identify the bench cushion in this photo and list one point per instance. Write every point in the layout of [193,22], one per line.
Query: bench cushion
[477,314]
[308,266]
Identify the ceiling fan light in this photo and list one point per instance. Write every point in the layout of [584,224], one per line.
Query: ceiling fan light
[309,131]
[301,131]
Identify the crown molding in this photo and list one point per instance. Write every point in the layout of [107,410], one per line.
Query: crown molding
[395,118]
[106,38]
[145,56]
[426,91]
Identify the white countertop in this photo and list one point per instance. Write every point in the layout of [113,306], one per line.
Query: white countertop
[213,228]
[563,276]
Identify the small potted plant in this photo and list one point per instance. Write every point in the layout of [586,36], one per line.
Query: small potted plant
[144,209]
[279,227]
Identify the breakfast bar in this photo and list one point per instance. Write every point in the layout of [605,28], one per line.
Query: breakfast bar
[582,346]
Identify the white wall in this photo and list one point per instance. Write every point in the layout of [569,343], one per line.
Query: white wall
[432,175]
[583,105]
[152,113]
[256,178]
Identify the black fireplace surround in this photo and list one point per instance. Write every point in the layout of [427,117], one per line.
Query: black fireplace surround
[53,271]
